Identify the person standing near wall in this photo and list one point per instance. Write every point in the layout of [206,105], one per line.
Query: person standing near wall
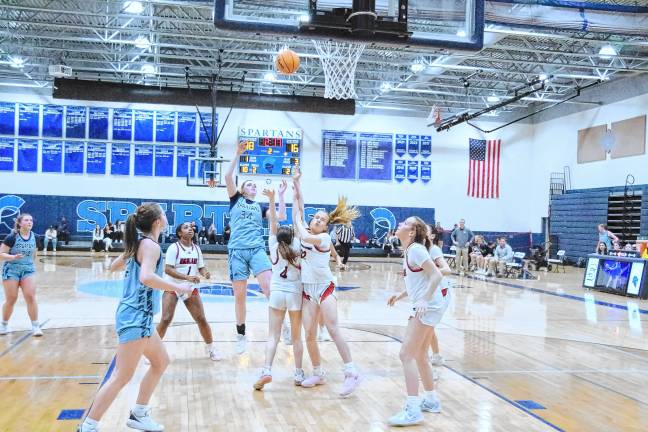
[345,235]
[461,238]
[606,236]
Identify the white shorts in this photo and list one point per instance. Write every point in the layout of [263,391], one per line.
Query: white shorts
[436,309]
[319,291]
[282,300]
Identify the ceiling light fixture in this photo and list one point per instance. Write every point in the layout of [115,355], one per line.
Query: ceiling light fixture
[385,87]
[543,77]
[148,69]
[270,76]
[142,42]
[16,62]
[133,7]
[607,52]
[493,98]
[417,67]
[304,18]
[461,33]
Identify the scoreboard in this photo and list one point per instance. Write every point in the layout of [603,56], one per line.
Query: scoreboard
[270,151]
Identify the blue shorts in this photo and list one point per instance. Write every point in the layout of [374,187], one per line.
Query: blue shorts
[17,272]
[241,261]
[133,324]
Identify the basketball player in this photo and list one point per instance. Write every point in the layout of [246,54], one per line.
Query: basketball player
[429,302]
[437,256]
[285,294]
[319,287]
[19,252]
[142,258]
[246,247]
[183,263]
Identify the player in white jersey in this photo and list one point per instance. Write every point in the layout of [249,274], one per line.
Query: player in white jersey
[319,286]
[285,294]
[429,302]
[184,263]
[437,256]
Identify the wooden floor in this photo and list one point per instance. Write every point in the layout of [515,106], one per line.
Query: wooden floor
[582,356]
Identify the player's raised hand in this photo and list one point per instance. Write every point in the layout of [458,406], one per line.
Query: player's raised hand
[283,186]
[270,193]
[241,147]
[296,174]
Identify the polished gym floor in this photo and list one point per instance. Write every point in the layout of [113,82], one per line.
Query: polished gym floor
[521,355]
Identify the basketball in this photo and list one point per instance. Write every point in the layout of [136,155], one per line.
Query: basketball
[287,61]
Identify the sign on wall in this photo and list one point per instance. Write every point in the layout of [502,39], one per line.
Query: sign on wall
[339,151]
[270,151]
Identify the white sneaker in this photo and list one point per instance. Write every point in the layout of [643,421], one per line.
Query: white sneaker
[437,360]
[83,427]
[435,374]
[299,377]
[286,334]
[37,331]
[241,343]
[265,377]
[215,355]
[323,335]
[4,328]
[433,406]
[144,423]
[407,417]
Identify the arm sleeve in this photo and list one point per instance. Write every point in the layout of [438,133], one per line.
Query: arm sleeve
[170,256]
[435,252]
[234,198]
[10,240]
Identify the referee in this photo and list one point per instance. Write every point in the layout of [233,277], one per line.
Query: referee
[345,235]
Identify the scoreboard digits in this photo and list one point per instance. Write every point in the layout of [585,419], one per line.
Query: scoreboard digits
[270,155]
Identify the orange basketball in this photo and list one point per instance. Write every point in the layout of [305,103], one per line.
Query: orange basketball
[287,61]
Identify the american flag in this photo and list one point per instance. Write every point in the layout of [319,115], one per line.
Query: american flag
[483,169]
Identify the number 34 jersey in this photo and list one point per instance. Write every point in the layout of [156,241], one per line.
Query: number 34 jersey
[285,276]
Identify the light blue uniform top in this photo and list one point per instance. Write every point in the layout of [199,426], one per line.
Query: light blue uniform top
[20,245]
[137,295]
[246,223]
[605,238]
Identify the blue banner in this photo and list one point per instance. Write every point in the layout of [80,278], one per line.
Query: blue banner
[53,121]
[206,124]
[401,144]
[84,212]
[400,170]
[143,160]
[74,152]
[28,155]
[413,145]
[163,161]
[376,155]
[52,157]
[120,157]
[426,171]
[144,126]
[28,119]
[122,126]
[426,146]
[182,160]
[186,128]
[7,118]
[96,158]
[75,122]
[7,147]
[412,171]
[339,154]
[164,126]
[98,123]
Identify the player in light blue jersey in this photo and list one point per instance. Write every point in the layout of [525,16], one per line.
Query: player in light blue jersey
[18,251]
[246,247]
[143,286]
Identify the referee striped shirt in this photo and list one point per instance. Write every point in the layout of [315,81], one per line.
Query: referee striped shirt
[344,233]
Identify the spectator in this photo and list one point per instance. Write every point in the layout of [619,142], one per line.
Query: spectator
[211,234]
[97,239]
[195,231]
[226,234]
[50,236]
[118,235]
[479,251]
[606,236]
[202,235]
[63,230]
[439,231]
[108,232]
[501,255]
[345,235]
[461,239]
[601,248]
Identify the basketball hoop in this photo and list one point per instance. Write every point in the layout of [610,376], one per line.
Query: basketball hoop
[339,61]
[212,183]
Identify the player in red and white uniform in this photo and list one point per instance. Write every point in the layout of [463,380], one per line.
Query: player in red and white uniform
[437,256]
[429,301]
[319,286]
[184,262]
[285,294]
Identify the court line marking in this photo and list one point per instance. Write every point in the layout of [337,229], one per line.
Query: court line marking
[555,371]
[22,339]
[47,378]
[474,381]
[567,296]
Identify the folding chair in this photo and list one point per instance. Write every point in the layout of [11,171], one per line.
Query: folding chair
[558,261]
[516,266]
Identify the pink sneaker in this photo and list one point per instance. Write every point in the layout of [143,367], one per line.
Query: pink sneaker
[351,382]
[313,380]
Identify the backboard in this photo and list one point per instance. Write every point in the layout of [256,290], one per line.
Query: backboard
[205,170]
[452,24]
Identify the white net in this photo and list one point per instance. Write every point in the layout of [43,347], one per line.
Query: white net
[339,60]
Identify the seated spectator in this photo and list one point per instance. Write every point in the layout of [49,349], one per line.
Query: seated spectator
[50,236]
[63,230]
[108,232]
[394,244]
[97,239]
[502,254]
[480,254]
[195,231]
[202,235]
[211,234]
[601,248]
[118,235]
[629,247]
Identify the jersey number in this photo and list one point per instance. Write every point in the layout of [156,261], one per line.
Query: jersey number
[284,273]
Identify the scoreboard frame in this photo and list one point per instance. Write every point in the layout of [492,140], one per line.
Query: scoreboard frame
[265,146]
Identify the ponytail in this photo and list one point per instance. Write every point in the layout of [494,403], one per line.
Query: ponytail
[143,219]
[285,237]
[343,214]
[130,236]
[420,232]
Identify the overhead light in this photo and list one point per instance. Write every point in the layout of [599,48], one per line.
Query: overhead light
[493,98]
[148,69]
[417,67]
[461,33]
[142,42]
[385,87]
[133,7]
[304,18]
[269,76]
[607,51]
[543,77]
[16,62]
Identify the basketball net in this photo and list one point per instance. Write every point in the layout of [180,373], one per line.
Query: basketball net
[435,116]
[212,183]
[339,61]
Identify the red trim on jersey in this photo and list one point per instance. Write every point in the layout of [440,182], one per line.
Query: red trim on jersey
[327,292]
[407,263]
[274,262]
[305,247]
[444,292]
